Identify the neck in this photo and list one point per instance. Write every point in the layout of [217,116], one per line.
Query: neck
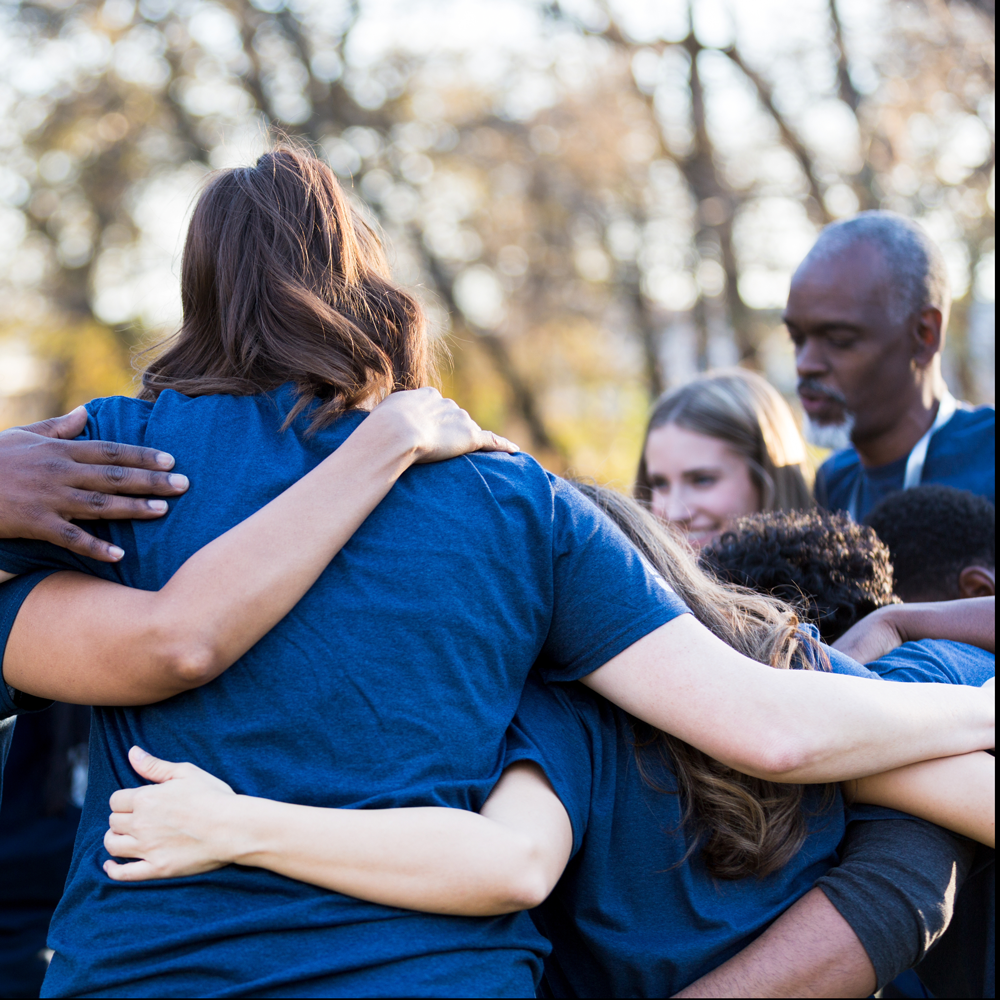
[897,440]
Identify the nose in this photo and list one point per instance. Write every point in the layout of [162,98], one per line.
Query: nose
[810,358]
[669,506]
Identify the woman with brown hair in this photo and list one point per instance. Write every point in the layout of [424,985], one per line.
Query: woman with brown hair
[717,448]
[390,674]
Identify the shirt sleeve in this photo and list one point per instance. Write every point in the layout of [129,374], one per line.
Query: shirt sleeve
[896,885]
[12,595]
[606,596]
[841,663]
[562,735]
[938,661]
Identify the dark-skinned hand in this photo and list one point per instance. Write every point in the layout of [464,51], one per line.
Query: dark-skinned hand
[47,480]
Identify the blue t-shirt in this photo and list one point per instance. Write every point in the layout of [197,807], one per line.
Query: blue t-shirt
[937,661]
[628,918]
[960,454]
[391,683]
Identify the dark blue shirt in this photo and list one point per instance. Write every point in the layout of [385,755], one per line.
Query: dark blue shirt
[630,917]
[391,683]
[960,454]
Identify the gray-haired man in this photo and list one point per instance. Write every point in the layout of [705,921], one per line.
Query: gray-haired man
[867,312]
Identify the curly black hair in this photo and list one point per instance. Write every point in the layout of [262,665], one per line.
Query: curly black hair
[833,571]
[933,533]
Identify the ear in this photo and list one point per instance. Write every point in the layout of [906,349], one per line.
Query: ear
[927,336]
[977,581]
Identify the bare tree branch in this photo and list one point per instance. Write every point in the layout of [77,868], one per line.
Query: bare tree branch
[765,94]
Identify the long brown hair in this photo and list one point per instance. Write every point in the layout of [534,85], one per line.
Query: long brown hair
[743,825]
[283,281]
[742,409]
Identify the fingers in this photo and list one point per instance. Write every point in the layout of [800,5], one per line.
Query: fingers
[121,479]
[153,769]
[115,454]
[105,507]
[494,442]
[67,426]
[120,845]
[120,823]
[70,536]
[134,871]
[123,801]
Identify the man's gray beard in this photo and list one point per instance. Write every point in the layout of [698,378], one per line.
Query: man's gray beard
[836,437]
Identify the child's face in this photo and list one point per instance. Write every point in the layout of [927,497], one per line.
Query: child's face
[699,483]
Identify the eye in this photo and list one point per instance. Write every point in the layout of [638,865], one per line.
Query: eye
[703,480]
[659,483]
[843,343]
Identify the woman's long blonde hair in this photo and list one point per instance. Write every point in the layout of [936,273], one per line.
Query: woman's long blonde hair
[743,825]
[745,411]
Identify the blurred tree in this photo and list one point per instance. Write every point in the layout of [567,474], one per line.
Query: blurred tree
[613,208]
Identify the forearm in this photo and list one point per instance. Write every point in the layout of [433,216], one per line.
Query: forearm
[788,725]
[88,641]
[431,859]
[809,951]
[958,793]
[972,620]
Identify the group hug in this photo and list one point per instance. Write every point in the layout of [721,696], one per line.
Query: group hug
[383,708]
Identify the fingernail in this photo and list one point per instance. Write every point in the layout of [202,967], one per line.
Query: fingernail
[158,505]
[139,753]
[178,481]
[115,552]
[164,460]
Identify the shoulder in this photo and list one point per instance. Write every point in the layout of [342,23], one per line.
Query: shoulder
[978,421]
[117,418]
[840,463]
[834,477]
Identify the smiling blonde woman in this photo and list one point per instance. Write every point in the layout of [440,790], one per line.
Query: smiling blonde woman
[717,448]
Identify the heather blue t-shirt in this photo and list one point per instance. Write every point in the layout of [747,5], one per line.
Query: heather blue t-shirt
[391,683]
[937,661]
[960,454]
[628,918]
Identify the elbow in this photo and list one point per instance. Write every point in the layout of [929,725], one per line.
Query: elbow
[785,759]
[192,664]
[526,891]
[529,882]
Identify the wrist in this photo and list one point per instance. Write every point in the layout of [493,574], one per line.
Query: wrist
[238,830]
[391,433]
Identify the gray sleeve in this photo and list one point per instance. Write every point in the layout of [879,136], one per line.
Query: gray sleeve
[896,886]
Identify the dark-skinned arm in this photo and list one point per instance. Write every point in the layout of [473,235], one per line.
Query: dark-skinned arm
[809,951]
[971,620]
[873,916]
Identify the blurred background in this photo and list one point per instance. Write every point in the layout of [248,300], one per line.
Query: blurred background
[594,200]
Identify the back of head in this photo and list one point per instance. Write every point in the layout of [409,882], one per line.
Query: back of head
[745,411]
[283,281]
[833,570]
[743,825]
[916,275]
[935,532]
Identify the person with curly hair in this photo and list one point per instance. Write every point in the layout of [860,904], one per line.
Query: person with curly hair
[833,570]
[942,542]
